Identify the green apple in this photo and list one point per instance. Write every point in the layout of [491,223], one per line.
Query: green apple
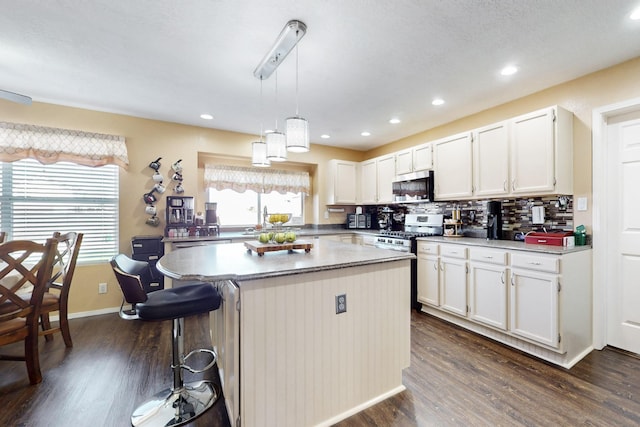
[280,237]
[271,235]
[264,238]
[290,236]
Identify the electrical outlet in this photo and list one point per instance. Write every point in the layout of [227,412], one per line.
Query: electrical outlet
[341,303]
[102,288]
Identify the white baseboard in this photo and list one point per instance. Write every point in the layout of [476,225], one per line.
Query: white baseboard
[88,313]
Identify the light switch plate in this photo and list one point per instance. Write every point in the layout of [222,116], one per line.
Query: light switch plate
[582,203]
[537,215]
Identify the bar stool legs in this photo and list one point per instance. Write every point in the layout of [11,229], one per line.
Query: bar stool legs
[182,402]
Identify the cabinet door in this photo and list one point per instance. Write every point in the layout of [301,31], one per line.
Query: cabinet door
[532,152]
[428,280]
[368,182]
[404,162]
[534,306]
[491,160]
[488,294]
[422,157]
[386,170]
[453,167]
[453,285]
[343,188]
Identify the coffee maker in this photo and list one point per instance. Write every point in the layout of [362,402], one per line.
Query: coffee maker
[494,220]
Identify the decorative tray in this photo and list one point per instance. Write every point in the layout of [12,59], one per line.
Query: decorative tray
[261,248]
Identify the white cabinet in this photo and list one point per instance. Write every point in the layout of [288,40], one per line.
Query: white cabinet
[376,178]
[415,159]
[534,298]
[488,278]
[343,182]
[428,274]
[452,164]
[542,152]
[453,279]
[491,160]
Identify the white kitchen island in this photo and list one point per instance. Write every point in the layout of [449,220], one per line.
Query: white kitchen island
[285,357]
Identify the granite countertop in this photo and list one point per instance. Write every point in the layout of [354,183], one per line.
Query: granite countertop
[505,244]
[246,235]
[233,261]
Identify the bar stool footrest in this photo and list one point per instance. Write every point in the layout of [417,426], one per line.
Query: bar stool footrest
[214,358]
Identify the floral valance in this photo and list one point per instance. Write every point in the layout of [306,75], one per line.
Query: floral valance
[51,145]
[259,180]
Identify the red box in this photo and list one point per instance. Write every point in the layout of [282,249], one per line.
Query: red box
[552,239]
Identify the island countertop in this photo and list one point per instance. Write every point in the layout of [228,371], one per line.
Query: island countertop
[234,262]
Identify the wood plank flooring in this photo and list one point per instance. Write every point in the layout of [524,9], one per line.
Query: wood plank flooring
[456,378]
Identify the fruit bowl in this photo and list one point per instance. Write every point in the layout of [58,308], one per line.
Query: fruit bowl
[279,218]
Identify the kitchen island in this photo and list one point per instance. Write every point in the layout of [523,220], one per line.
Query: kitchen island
[286,356]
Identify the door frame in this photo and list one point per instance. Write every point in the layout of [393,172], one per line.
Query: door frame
[601,199]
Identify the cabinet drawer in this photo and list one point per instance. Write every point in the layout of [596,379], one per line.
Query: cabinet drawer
[453,251]
[428,248]
[491,256]
[538,262]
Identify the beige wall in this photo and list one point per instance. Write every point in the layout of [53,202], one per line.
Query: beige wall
[148,139]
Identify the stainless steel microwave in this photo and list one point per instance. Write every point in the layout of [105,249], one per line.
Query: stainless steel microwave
[359,221]
[417,186]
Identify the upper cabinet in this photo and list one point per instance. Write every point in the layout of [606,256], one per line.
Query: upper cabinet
[542,152]
[452,167]
[376,178]
[343,182]
[491,160]
[414,159]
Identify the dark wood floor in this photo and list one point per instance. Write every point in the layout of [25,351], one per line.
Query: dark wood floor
[456,378]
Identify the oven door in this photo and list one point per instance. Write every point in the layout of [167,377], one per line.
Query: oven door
[393,243]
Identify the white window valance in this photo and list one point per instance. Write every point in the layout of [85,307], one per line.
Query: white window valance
[52,145]
[240,179]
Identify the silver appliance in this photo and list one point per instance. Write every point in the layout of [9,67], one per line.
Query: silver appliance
[415,225]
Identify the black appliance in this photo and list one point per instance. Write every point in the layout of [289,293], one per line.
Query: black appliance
[414,187]
[494,220]
[180,215]
[149,249]
[359,221]
[415,225]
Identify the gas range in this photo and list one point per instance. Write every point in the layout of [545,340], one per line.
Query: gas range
[415,225]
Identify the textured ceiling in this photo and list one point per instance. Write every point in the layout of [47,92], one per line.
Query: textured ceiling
[360,63]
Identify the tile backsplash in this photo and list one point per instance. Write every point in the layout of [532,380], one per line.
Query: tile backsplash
[516,214]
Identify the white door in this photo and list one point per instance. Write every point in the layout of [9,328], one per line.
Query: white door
[623,307]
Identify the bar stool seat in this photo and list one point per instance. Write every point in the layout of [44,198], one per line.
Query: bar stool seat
[182,402]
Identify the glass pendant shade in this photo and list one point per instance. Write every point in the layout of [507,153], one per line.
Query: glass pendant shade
[297,134]
[259,154]
[276,146]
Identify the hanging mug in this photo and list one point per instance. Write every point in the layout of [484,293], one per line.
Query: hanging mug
[177,176]
[157,177]
[159,188]
[151,210]
[149,198]
[177,166]
[179,189]
[153,221]
[155,165]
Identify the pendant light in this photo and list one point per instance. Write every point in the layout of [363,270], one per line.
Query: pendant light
[259,148]
[276,141]
[297,128]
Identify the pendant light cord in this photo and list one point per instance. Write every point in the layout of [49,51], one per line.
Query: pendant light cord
[297,76]
[276,101]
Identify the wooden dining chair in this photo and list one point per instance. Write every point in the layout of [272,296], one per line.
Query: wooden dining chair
[3,236]
[60,283]
[25,269]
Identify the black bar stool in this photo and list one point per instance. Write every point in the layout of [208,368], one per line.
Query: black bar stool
[182,402]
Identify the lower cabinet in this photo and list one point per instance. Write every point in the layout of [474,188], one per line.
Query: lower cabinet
[537,302]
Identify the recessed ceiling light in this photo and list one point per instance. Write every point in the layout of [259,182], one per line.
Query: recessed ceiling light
[635,15]
[437,101]
[325,136]
[394,121]
[509,70]
[206,116]
[365,133]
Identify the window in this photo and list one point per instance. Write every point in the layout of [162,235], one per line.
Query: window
[37,200]
[246,209]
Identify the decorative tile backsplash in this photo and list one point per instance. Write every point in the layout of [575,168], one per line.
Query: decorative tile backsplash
[516,214]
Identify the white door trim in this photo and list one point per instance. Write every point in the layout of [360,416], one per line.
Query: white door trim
[601,232]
